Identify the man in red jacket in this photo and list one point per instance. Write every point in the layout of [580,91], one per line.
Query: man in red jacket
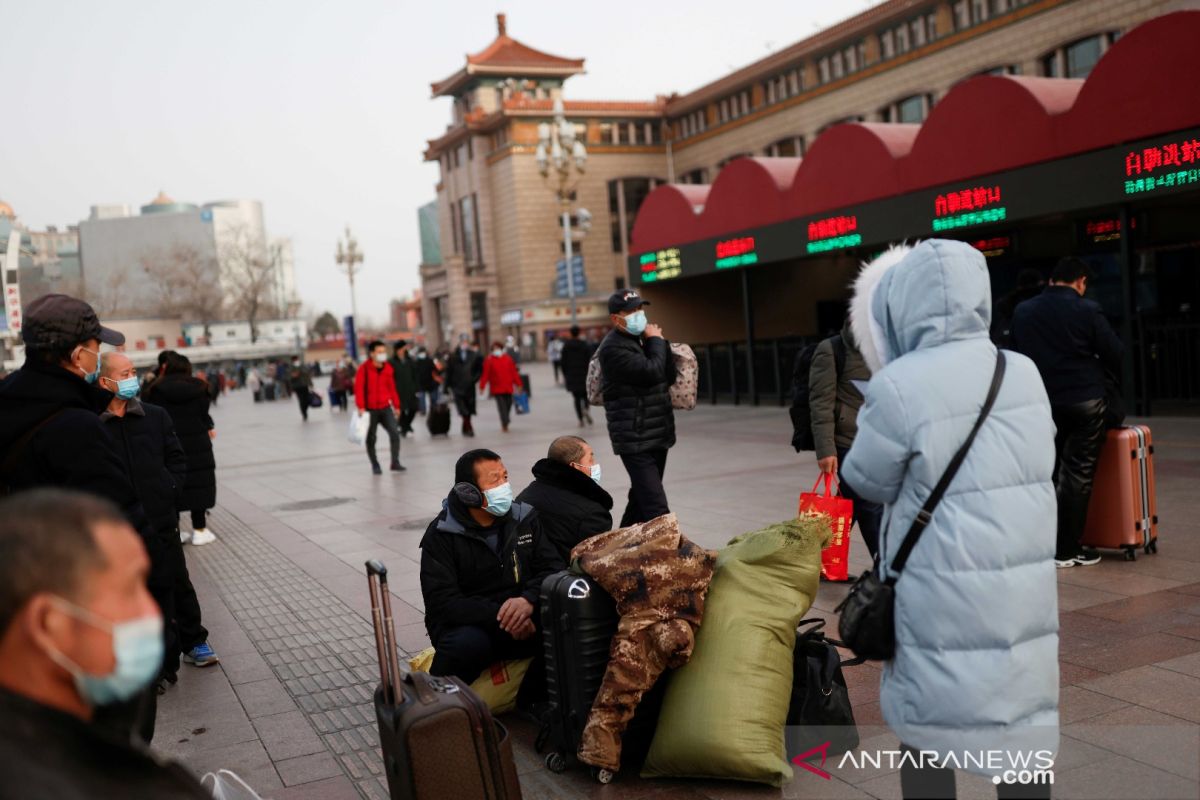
[375,394]
[500,376]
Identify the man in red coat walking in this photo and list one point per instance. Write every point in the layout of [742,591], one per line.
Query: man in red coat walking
[375,394]
[500,376]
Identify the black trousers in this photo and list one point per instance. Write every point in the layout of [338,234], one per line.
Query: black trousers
[937,783]
[504,404]
[557,369]
[387,418]
[189,630]
[468,650]
[407,415]
[581,404]
[199,520]
[1077,447]
[302,399]
[868,515]
[647,498]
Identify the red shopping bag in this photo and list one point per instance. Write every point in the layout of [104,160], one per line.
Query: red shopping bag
[835,559]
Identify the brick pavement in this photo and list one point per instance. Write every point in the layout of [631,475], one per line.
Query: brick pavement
[284,596]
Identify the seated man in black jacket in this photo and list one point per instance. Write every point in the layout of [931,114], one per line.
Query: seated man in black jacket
[481,572]
[78,631]
[637,372]
[567,496]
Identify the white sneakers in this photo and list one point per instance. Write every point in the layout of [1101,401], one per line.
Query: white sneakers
[199,537]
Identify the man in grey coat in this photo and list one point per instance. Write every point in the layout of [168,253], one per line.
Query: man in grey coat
[834,401]
[976,608]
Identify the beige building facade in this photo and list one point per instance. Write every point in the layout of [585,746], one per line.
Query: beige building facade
[892,63]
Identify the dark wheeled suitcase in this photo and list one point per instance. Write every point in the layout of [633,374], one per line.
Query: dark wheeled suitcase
[579,620]
[438,738]
[438,420]
[1123,511]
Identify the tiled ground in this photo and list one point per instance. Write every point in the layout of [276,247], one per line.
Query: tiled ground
[285,598]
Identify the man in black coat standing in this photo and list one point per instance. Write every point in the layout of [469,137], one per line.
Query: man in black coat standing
[463,370]
[637,373]
[145,437]
[1072,345]
[404,373]
[576,353]
[566,494]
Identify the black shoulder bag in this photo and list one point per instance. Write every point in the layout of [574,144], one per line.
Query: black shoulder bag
[867,623]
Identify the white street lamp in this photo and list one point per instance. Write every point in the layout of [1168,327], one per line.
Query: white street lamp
[559,147]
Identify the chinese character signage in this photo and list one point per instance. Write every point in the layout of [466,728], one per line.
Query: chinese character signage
[661,265]
[736,253]
[9,282]
[963,208]
[833,233]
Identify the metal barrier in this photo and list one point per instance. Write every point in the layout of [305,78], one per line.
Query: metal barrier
[1169,365]
[724,373]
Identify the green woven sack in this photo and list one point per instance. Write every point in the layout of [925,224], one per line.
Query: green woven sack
[724,711]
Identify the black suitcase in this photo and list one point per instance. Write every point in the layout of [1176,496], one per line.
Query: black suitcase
[579,620]
[438,420]
[438,738]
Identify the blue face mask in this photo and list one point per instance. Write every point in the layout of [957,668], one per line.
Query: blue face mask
[92,376]
[499,500]
[596,472]
[635,323]
[137,648]
[127,388]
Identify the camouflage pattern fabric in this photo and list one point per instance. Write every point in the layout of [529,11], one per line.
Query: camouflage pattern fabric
[659,579]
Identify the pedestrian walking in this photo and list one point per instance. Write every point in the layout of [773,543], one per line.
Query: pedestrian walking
[554,353]
[186,399]
[975,668]
[834,401]
[511,348]
[463,369]
[637,372]
[254,384]
[404,370]
[157,464]
[576,353]
[427,386]
[568,498]
[375,395]
[300,382]
[1072,344]
[500,377]
[340,383]
[281,378]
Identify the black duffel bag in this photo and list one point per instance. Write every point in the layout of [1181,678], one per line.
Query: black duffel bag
[820,709]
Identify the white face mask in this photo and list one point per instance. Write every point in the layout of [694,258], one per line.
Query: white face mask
[380,358]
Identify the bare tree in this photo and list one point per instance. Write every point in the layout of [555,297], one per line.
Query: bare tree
[110,297]
[250,269]
[185,284]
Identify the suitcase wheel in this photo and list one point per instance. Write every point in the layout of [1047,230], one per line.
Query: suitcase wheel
[556,762]
[1131,554]
[1152,547]
[602,775]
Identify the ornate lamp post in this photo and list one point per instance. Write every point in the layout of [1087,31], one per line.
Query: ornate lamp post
[349,259]
[559,156]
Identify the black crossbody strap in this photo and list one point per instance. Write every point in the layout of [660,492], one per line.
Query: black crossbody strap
[925,515]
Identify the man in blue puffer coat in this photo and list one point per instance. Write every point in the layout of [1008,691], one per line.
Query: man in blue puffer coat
[976,663]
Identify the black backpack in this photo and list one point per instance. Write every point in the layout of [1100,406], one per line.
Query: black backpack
[801,412]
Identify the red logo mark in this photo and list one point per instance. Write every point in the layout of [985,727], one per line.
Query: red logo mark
[800,761]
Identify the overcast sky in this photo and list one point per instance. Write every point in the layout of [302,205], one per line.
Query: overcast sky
[320,110]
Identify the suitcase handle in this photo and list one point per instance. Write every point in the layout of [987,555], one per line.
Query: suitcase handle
[385,631]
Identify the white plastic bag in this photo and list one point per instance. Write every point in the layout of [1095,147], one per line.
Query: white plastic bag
[226,785]
[358,428]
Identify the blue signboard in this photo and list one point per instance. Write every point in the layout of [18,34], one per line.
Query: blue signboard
[561,288]
[351,337]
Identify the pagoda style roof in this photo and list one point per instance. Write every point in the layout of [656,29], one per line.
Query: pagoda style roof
[506,57]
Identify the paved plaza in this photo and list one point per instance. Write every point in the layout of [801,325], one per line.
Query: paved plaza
[284,596]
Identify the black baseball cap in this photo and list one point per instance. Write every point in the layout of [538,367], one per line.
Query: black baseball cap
[625,300]
[56,320]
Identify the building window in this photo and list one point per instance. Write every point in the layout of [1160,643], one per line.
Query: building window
[1075,60]
[635,191]
[454,235]
[734,106]
[828,125]
[843,62]
[692,124]
[789,147]
[469,225]
[909,110]
[1003,69]
[607,133]
[695,176]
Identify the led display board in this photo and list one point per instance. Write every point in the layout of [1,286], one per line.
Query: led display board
[1155,167]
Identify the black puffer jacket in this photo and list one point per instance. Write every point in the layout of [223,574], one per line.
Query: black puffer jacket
[570,505]
[146,439]
[463,582]
[576,354]
[463,373]
[186,399]
[637,376]
[72,450]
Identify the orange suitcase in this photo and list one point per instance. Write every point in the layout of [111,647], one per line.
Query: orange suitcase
[1123,512]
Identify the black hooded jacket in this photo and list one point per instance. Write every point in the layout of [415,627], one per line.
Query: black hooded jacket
[463,582]
[186,399]
[637,377]
[70,451]
[570,505]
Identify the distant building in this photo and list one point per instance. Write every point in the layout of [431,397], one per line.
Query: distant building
[281,331]
[405,314]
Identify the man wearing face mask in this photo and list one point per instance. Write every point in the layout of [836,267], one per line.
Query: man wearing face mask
[375,394]
[50,429]
[481,571]
[464,367]
[78,631]
[567,495]
[145,437]
[638,370]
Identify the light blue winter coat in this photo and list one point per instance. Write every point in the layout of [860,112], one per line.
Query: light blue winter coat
[976,664]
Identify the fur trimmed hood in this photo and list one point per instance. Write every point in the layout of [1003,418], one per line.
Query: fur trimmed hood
[911,298]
